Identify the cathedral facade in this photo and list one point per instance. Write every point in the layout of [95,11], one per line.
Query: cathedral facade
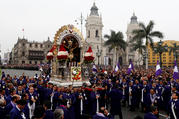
[94,38]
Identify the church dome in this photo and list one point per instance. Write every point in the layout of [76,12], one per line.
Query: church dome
[94,10]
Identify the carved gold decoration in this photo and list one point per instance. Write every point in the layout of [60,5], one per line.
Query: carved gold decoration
[61,30]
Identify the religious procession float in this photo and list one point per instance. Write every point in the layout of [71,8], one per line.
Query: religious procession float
[69,55]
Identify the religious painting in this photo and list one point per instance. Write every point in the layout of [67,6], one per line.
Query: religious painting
[71,44]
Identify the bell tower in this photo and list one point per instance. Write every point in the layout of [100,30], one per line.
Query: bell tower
[130,54]
[94,28]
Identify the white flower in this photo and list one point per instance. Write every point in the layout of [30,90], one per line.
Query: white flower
[74,72]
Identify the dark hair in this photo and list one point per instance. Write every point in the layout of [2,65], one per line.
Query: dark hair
[176,93]
[21,102]
[2,89]
[47,104]
[153,108]
[14,98]
[39,112]
[64,102]
[102,109]
[23,95]
[138,117]
[12,90]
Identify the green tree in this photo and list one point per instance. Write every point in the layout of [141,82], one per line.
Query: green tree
[115,41]
[159,49]
[139,47]
[146,33]
[174,49]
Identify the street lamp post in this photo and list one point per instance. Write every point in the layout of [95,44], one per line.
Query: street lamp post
[144,57]
[80,21]
[98,54]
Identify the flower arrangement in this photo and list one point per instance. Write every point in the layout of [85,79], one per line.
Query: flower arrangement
[76,74]
[88,57]
[50,53]
[62,54]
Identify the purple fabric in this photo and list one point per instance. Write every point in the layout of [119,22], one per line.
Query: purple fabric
[94,68]
[158,69]
[117,68]
[175,72]
[130,68]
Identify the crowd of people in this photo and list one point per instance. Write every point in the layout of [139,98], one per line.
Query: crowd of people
[36,98]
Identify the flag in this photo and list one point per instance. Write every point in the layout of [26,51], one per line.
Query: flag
[175,72]
[130,68]
[117,68]
[158,69]
[94,68]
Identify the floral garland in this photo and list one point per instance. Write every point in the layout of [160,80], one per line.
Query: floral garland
[88,59]
[49,57]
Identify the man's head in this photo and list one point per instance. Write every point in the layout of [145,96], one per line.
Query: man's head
[25,96]
[12,91]
[31,89]
[2,91]
[175,95]
[47,105]
[138,117]
[102,110]
[145,83]
[152,91]
[21,104]
[39,112]
[15,98]
[2,103]
[59,114]
[154,110]
[106,113]
[19,88]
[153,84]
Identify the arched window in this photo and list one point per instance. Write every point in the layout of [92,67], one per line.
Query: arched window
[89,34]
[97,33]
[23,53]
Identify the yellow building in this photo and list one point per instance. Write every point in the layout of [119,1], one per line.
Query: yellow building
[167,58]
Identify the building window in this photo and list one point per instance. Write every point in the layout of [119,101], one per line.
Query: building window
[23,53]
[97,33]
[35,62]
[48,46]
[23,62]
[30,62]
[23,44]
[30,45]
[36,45]
[89,34]
[41,45]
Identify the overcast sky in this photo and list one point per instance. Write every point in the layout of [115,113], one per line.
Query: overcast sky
[42,18]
